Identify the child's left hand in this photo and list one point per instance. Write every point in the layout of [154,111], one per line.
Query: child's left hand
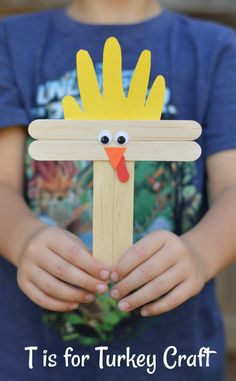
[158,273]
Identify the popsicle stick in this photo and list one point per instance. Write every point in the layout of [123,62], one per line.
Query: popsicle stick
[92,150]
[112,212]
[137,130]
[103,190]
[123,213]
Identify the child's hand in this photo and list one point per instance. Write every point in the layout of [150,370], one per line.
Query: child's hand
[159,272]
[57,272]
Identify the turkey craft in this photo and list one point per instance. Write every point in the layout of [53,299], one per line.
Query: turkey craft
[114,130]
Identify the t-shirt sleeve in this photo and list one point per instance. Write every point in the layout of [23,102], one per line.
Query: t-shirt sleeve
[12,110]
[220,120]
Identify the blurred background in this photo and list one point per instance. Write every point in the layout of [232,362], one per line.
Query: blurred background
[223,11]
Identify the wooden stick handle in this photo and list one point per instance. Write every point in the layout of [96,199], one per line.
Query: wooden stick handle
[113,208]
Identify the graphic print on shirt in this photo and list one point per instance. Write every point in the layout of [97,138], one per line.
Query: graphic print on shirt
[60,193]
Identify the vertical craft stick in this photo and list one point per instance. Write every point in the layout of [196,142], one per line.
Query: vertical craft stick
[123,213]
[112,212]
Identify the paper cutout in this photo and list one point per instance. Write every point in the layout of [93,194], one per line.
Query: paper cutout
[112,104]
[122,171]
[115,154]
[117,160]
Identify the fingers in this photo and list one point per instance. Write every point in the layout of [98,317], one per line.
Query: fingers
[69,247]
[71,108]
[155,101]
[88,84]
[112,70]
[152,290]
[65,271]
[150,269]
[45,301]
[58,289]
[139,83]
[138,253]
[174,299]
[50,280]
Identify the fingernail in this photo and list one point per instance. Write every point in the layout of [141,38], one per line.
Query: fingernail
[104,274]
[115,294]
[101,288]
[74,306]
[89,298]
[123,306]
[114,277]
[145,313]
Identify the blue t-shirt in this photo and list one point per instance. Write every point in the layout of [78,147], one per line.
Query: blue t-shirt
[37,61]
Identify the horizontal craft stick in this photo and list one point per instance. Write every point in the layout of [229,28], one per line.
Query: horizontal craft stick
[136,151]
[137,130]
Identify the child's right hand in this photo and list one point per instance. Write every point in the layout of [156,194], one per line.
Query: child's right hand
[57,272]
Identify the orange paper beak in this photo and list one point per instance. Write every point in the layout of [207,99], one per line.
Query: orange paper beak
[115,155]
[117,160]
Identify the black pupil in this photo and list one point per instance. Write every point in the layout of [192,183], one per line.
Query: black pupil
[121,140]
[104,139]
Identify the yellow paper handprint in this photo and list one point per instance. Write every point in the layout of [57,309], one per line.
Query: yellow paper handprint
[112,103]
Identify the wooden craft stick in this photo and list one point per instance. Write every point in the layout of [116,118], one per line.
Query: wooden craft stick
[136,129]
[103,189]
[123,213]
[92,150]
[112,212]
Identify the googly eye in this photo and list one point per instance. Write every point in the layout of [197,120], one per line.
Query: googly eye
[121,138]
[104,137]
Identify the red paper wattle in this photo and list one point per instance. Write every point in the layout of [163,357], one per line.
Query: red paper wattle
[122,171]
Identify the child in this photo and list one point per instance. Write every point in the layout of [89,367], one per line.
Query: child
[180,246]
